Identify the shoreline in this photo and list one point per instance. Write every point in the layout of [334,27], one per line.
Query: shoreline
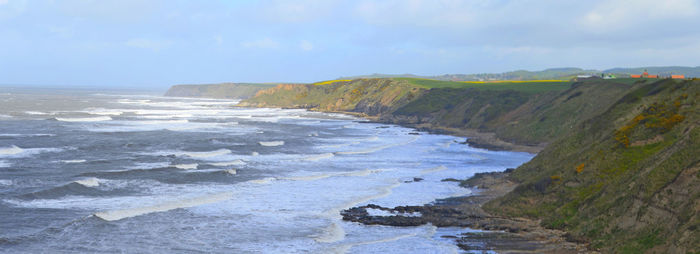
[475,138]
[503,235]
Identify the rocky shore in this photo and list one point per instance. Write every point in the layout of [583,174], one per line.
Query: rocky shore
[503,235]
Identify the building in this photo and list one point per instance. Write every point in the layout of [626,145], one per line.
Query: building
[677,76]
[645,74]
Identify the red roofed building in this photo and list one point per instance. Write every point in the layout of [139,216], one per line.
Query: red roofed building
[677,76]
[635,76]
[652,76]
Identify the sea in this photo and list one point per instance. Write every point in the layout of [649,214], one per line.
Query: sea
[85,171]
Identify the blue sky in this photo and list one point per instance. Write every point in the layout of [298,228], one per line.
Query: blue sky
[158,43]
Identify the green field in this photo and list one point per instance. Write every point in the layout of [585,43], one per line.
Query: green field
[522,86]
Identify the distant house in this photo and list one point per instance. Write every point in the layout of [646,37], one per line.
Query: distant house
[584,76]
[645,74]
[677,76]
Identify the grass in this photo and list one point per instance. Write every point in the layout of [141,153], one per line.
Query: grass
[530,86]
[328,82]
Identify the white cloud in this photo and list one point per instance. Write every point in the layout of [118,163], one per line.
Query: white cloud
[4,2]
[151,44]
[266,43]
[306,45]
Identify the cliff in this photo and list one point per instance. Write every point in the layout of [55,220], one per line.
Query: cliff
[620,167]
[626,180]
[218,91]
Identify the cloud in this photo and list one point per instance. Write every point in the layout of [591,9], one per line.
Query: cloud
[266,43]
[4,2]
[151,44]
[306,45]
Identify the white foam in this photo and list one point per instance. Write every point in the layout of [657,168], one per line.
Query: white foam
[5,182]
[104,112]
[17,152]
[5,164]
[13,135]
[365,172]
[254,154]
[228,163]
[265,180]
[187,166]
[378,148]
[338,234]
[89,182]
[333,233]
[231,171]
[13,150]
[85,119]
[433,170]
[308,177]
[163,121]
[5,116]
[35,113]
[192,154]
[319,157]
[271,143]
[167,206]
[379,212]
[73,161]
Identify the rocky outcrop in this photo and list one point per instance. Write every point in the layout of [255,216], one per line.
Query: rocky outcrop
[504,235]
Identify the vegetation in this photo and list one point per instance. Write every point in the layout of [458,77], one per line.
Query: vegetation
[535,86]
[331,82]
[621,170]
[635,188]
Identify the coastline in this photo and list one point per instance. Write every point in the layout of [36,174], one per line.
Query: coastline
[501,234]
[475,138]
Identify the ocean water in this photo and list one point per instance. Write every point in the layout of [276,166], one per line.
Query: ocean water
[84,171]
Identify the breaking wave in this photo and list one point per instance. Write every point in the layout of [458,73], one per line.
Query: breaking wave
[271,143]
[167,206]
[85,119]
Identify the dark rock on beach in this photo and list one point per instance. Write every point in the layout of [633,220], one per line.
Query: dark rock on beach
[503,235]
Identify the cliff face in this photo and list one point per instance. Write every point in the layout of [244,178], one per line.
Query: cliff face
[621,170]
[218,91]
[369,96]
[627,180]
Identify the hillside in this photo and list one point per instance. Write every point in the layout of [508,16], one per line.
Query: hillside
[620,166]
[661,70]
[494,115]
[547,74]
[554,73]
[626,180]
[369,96]
[218,91]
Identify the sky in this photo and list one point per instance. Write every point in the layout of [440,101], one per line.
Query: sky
[158,43]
